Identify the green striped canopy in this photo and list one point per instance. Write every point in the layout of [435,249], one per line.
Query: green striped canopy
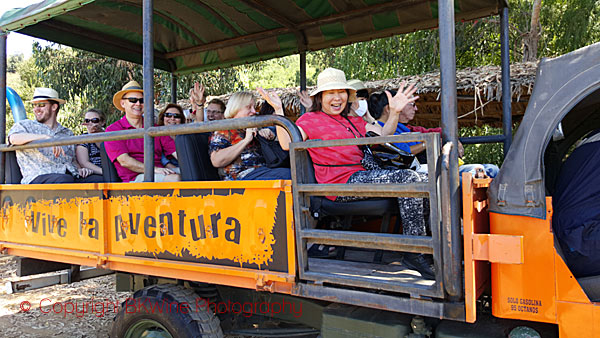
[199,35]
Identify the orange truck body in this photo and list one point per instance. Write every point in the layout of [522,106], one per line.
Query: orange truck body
[516,257]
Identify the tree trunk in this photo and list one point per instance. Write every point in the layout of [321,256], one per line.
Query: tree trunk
[531,38]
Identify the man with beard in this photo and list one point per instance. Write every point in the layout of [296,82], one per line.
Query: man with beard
[47,165]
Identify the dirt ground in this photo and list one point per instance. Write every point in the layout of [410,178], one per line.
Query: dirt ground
[81,309]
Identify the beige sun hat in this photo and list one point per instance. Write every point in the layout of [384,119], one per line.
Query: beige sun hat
[357,84]
[45,94]
[331,79]
[131,86]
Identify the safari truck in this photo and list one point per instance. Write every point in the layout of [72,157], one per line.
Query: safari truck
[206,257]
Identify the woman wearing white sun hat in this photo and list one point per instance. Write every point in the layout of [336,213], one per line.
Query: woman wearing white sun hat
[328,120]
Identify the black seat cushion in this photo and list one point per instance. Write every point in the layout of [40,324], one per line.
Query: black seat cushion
[194,161]
[321,206]
[109,172]
[591,286]
[13,172]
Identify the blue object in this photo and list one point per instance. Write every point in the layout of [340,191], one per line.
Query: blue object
[16,105]
[400,130]
[576,218]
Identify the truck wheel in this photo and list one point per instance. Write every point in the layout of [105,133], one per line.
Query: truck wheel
[164,311]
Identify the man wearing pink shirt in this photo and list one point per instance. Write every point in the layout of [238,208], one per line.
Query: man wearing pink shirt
[128,155]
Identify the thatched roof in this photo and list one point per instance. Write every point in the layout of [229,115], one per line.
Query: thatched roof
[479,94]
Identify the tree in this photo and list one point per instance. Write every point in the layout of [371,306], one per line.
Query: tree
[531,38]
[13,63]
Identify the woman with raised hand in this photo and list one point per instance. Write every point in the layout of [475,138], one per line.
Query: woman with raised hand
[236,153]
[379,108]
[329,120]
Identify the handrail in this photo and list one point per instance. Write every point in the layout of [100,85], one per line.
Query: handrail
[304,186]
[188,128]
[403,138]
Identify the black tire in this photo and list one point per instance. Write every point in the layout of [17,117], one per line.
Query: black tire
[159,310]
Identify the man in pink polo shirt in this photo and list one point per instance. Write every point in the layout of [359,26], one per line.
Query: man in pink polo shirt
[128,155]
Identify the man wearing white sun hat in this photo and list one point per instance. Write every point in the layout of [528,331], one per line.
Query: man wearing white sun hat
[47,165]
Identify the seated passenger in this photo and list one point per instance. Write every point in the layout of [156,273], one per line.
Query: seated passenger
[47,165]
[214,109]
[360,107]
[171,115]
[378,106]
[88,154]
[128,155]
[236,153]
[329,120]
[576,217]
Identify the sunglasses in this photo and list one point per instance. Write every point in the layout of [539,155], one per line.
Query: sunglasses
[39,105]
[173,115]
[94,120]
[134,100]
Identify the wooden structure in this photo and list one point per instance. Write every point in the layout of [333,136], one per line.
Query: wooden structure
[479,97]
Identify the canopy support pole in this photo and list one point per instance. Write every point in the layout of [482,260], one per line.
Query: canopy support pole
[3,37]
[506,90]
[173,88]
[302,77]
[148,59]
[451,235]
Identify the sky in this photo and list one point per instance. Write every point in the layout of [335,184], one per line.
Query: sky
[18,43]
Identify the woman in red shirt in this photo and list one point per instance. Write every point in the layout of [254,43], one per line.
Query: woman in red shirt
[329,120]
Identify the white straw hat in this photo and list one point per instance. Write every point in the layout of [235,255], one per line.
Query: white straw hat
[45,94]
[357,84]
[332,79]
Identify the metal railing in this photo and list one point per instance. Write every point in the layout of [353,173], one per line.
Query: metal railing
[306,234]
[187,128]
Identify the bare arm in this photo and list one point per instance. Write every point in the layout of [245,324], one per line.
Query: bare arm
[225,156]
[389,128]
[282,135]
[23,138]
[414,149]
[397,102]
[83,159]
[136,166]
[197,100]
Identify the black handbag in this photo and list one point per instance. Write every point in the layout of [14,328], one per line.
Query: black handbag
[389,156]
[274,155]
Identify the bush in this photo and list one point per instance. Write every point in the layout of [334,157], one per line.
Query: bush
[492,153]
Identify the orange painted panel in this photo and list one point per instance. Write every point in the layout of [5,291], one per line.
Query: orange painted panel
[578,320]
[243,226]
[568,289]
[525,291]
[475,221]
[235,227]
[498,248]
[56,219]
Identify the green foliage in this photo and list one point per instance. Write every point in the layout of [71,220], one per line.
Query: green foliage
[82,78]
[568,25]
[492,153]
[13,62]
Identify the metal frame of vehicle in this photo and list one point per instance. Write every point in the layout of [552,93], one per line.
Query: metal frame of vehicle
[445,299]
